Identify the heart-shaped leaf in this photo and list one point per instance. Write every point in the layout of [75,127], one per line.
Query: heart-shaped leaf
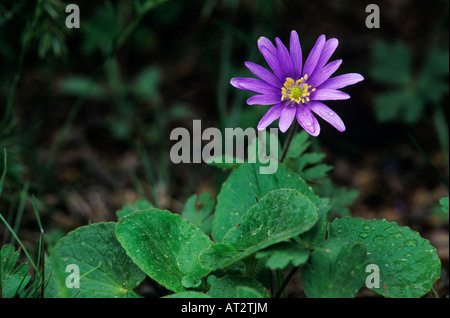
[280,215]
[93,253]
[198,210]
[245,187]
[408,264]
[284,254]
[336,270]
[164,246]
[137,206]
[228,287]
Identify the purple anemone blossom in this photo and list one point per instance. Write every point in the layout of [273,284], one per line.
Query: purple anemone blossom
[295,90]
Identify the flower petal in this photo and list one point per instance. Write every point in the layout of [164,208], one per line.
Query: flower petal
[328,49]
[263,41]
[285,59]
[328,94]
[266,99]
[272,114]
[327,114]
[254,85]
[270,53]
[320,76]
[314,56]
[306,119]
[296,54]
[341,81]
[264,74]
[286,118]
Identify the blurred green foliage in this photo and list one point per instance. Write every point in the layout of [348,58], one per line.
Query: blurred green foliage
[135,69]
[409,90]
[444,204]
[48,28]
[309,165]
[125,73]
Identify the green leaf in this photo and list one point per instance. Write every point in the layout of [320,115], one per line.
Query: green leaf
[164,246]
[316,172]
[392,63]
[298,145]
[406,106]
[336,270]
[307,165]
[137,206]
[444,204]
[439,212]
[245,187]
[262,147]
[318,232]
[101,32]
[198,210]
[310,158]
[188,294]
[180,111]
[280,215]
[105,269]
[340,198]
[146,85]
[406,103]
[408,264]
[284,254]
[14,279]
[82,86]
[248,292]
[433,80]
[224,162]
[437,62]
[227,287]
[220,255]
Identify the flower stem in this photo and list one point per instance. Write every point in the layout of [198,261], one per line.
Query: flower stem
[288,142]
[285,282]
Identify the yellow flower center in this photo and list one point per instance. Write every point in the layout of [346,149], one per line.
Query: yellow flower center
[296,91]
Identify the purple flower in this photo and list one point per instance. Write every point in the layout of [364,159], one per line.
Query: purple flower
[293,90]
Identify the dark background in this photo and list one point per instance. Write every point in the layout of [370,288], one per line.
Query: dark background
[91,109]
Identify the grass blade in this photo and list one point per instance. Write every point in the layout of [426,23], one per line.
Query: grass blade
[19,241]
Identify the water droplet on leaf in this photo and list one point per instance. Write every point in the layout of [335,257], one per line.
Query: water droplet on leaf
[363,235]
